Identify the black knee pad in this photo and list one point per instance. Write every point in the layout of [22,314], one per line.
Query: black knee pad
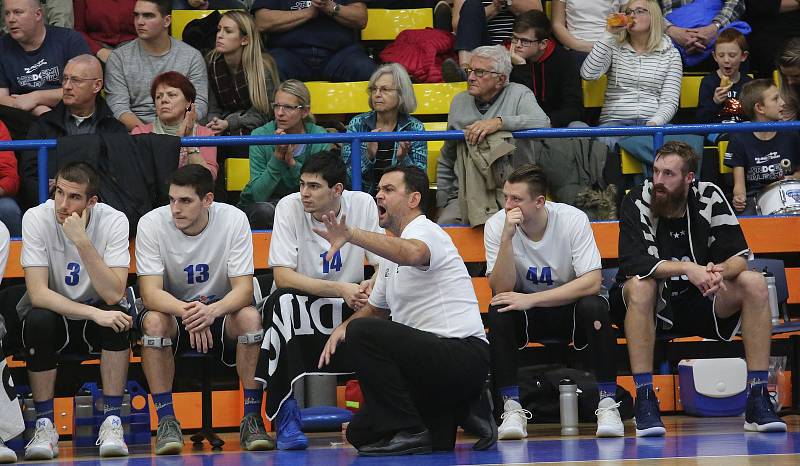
[593,308]
[113,341]
[44,333]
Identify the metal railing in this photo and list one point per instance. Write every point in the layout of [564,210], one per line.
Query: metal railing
[355,140]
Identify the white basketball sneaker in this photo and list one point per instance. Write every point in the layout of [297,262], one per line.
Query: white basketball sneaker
[44,444]
[609,422]
[110,440]
[515,421]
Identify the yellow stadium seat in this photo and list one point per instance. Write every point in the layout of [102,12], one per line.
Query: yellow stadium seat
[180,18]
[237,172]
[548,9]
[336,98]
[630,165]
[776,78]
[387,24]
[594,92]
[434,148]
[435,98]
[690,90]
[723,146]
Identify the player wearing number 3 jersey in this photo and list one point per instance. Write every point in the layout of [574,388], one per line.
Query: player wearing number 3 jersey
[194,259]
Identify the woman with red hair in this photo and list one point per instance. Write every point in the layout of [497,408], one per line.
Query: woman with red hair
[173,95]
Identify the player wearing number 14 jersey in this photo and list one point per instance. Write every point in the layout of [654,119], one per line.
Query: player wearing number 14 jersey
[545,273]
[297,254]
[194,259]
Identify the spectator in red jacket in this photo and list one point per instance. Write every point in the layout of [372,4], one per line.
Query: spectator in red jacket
[105,25]
[10,214]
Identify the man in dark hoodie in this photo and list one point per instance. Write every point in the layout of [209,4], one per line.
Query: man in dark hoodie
[81,111]
[547,69]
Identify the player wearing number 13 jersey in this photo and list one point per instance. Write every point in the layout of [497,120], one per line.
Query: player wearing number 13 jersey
[545,273]
[194,259]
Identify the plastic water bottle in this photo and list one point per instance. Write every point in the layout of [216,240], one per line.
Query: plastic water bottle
[568,404]
[772,292]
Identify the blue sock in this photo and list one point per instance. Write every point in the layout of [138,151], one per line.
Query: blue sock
[112,405]
[44,409]
[607,389]
[252,401]
[754,378]
[643,379]
[163,404]
[510,393]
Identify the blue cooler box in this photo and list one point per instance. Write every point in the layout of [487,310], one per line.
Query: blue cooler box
[713,387]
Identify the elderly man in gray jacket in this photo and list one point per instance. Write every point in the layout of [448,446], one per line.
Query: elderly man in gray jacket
[490,104]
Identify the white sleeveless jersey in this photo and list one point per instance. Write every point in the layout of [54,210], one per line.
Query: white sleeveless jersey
[44,244]
[195,268]
[295,245]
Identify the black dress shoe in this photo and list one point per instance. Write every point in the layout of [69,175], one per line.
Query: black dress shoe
[480,422]
[402,443]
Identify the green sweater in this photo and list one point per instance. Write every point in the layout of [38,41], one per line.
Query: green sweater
[271,178]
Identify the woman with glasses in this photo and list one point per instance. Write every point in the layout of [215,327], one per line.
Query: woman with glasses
[643,67]
[275,169]
[174,95]
[578,24]
[241,77]
[392,100]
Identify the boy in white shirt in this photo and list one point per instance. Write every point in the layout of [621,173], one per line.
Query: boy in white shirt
[545,273]
[297,254]
[194,260]
[76,259]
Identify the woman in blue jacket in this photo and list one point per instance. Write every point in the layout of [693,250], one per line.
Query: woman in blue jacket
[391,98]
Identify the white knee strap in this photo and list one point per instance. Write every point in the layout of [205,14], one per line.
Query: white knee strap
[156,342]
[251,338]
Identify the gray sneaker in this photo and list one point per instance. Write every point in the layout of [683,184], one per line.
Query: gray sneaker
[252,434]
[7,455]
[169,438]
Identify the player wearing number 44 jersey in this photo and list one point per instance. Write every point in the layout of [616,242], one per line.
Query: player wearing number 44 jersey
[75,256]
[297,253]
[545,273]
[194,259]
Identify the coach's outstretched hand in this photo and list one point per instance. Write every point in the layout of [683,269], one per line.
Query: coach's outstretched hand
[337,336]
[336,232]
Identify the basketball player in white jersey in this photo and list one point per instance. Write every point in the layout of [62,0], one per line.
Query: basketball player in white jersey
[75,255]
[194,260]
[545,273]
[297,254]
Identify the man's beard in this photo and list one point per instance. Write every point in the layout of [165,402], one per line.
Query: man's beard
[669,205]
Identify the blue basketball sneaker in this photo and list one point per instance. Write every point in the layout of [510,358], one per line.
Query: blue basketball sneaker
[287,427]
[648,416]
[759,415]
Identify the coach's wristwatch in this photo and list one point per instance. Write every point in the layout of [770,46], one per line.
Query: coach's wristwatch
[337,7]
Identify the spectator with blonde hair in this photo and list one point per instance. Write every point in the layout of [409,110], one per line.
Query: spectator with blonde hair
[241,77]
[392,100]
[643,67]
[275,169]
[789,70]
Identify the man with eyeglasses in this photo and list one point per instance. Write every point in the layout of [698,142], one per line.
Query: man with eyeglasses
[33,58]
[547,69]
[490,104]
[81,111]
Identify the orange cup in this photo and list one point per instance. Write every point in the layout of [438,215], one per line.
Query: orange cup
[616,20]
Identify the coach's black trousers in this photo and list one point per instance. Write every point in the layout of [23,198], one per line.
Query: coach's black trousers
[591,325]
[412,379]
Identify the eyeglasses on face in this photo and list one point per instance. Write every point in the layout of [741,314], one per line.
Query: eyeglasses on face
[287,108]
[479,72]
[636,12]
[381,90]
[76,81]
[525,42]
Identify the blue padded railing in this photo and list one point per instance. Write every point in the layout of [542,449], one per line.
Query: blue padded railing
[355,139]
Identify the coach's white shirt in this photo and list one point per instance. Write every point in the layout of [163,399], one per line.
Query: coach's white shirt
[567,249]
[295,245]
[44,244]
[195,268]
[438,298]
